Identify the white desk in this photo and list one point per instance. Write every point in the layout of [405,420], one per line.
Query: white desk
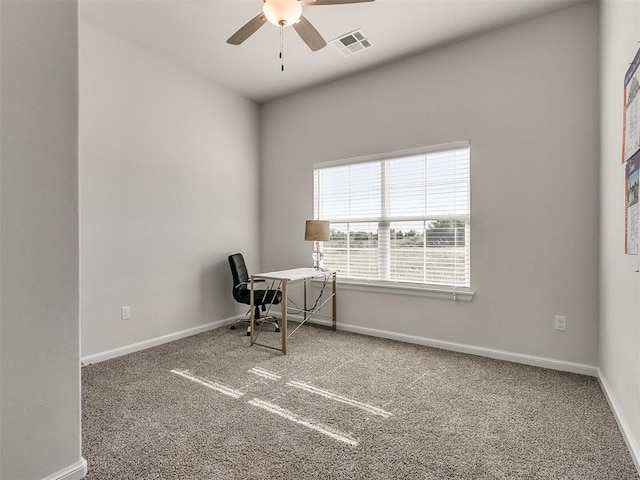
[280,280]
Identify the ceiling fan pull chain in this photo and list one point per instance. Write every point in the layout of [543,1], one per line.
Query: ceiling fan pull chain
[281,48]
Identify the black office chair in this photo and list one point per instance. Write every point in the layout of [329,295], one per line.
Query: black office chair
[242,294]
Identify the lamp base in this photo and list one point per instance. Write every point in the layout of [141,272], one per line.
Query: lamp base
[317,257]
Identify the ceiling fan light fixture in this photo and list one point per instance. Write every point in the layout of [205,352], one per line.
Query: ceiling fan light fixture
[282,12]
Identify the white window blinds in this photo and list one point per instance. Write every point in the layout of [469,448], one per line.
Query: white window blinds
[402,219]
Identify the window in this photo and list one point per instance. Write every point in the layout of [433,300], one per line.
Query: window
[398,218]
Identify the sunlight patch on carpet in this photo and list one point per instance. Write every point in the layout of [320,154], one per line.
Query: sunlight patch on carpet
[338,398]
[264,373]
[329,432]
[209,384]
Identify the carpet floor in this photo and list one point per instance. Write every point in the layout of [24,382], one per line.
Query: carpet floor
[341,406]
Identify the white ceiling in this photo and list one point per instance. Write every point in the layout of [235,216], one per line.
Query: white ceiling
[193,34]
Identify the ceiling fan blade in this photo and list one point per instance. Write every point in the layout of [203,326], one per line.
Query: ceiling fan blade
[247,30]
[332,2]
[309,34]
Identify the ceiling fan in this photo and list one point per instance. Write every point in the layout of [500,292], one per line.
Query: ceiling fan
[284,13]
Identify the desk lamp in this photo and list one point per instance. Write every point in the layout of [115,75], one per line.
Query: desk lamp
[317,231]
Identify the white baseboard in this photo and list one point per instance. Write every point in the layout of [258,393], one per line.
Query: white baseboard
[135,347]
[632,446]
[532,360]
[73,472]
[480,351]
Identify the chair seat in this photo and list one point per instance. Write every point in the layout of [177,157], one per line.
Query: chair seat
[260,297]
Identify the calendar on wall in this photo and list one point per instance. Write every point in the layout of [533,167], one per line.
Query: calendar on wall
[631,155]
[632,174]
[631,111]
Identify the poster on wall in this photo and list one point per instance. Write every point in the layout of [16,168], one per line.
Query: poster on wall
[631,205]
[631,111]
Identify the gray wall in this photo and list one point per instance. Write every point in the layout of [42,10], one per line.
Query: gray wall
[39,326]
[169,187]
[526,98]
[619,308]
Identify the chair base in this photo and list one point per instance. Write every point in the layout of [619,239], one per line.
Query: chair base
[257,322]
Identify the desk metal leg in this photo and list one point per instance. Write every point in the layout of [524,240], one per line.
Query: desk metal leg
[333,309]
[285,307]
[252,319]
[305,300]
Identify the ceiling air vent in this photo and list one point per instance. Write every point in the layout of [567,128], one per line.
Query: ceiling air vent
[352,42]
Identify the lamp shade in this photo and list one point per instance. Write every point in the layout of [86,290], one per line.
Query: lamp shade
[282,12]
[317,230]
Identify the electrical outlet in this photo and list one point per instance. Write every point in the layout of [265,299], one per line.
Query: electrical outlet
[560,323]
[125,313]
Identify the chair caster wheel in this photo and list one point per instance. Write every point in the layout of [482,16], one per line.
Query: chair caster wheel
[232,327]
[248,334]
[277,330]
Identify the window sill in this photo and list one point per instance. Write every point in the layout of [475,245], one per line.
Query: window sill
[398,288]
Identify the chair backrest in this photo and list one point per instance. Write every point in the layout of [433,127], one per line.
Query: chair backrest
[238,270]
